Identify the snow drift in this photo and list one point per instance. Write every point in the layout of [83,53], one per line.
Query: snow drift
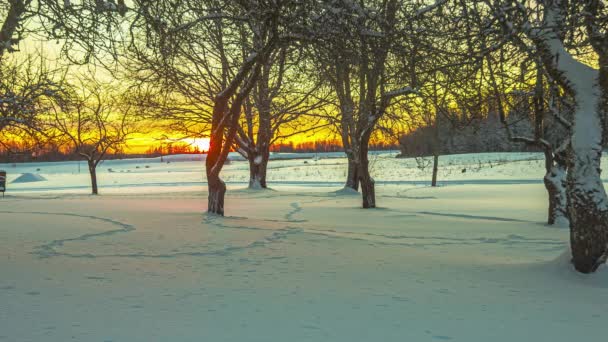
[29,178]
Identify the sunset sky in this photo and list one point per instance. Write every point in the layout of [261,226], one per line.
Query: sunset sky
[154,137]
[141,143]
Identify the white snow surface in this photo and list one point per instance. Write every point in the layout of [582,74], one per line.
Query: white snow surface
[471,260]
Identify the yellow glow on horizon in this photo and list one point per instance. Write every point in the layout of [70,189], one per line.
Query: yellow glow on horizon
[201,143]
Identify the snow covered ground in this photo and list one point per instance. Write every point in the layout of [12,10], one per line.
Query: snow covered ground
[470,261]
[308,170]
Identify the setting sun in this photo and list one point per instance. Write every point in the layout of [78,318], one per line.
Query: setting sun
[201,143]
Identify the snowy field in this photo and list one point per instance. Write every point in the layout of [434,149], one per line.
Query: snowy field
[471,260]
[186,172]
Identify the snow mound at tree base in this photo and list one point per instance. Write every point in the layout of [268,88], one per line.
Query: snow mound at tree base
[346,191]
[29,178]
[562,266]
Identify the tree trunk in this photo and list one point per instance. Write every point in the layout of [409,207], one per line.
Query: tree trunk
[352,177]
[367,182]
[258,165]
[349,142]
[588,204]
[93,173]
[436,149]
[555,183]
[435,169]
[258,158]
[367,186]
[217,191]
[213,163]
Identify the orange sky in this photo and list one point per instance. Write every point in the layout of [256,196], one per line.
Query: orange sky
[141,143]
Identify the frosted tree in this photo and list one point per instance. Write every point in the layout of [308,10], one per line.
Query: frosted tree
[571,39]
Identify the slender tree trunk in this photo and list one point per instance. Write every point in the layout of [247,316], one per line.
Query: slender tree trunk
[435,169]
[258,159]
[352,177]
[436,149]
[368,190]
[348,141]
[555,183]
[93,173]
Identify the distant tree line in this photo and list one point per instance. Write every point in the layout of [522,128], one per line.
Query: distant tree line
[23,152]
[456,135]
[326,146]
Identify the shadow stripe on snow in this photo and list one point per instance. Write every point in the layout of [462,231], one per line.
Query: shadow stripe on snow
[475,217]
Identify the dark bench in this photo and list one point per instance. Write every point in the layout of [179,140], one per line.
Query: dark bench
[2,182]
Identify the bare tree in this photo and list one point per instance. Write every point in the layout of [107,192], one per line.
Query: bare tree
[432,112]
[93,122]
[28,84]
[355,45]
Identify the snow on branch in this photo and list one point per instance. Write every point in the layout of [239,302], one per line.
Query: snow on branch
[190,24]
[530,141]
[563,147]
[399,92]
[558,116]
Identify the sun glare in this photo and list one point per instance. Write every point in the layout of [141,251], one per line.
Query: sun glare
[201,143]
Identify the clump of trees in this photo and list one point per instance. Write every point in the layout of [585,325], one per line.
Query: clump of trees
[247,73]
[486,134]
